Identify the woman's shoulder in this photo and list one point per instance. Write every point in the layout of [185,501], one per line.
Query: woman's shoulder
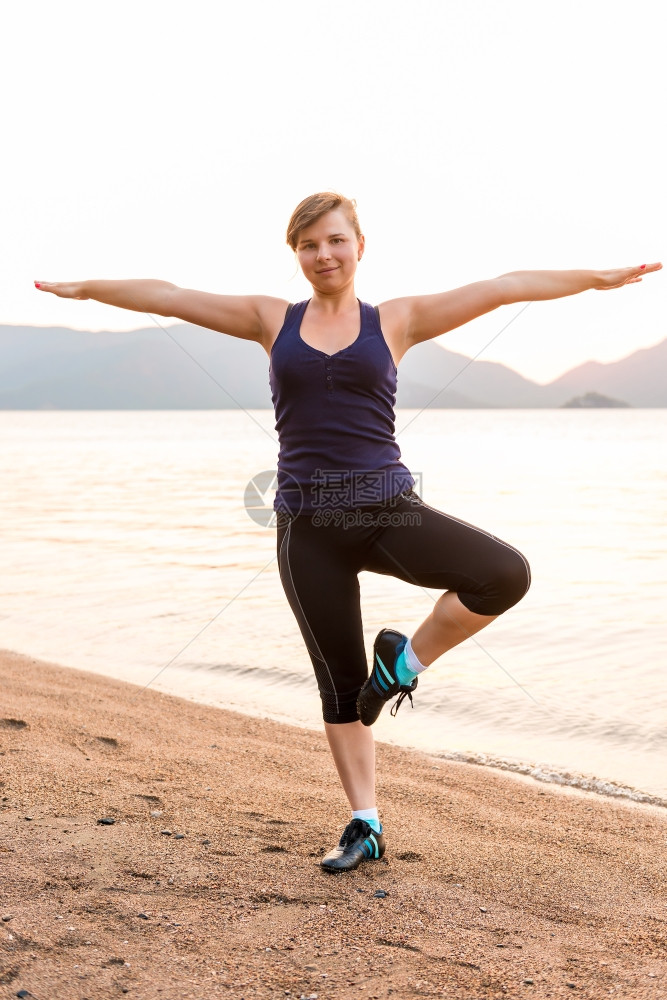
[295,309]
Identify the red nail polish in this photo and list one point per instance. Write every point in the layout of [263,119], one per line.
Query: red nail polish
[642,267]
[37,284]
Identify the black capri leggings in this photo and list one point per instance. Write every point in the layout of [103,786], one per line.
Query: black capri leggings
[321,555]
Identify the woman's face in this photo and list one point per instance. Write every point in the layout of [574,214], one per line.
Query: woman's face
[328,251]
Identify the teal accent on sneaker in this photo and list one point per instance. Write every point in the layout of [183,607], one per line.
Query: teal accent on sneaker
[371,845]
[387,676]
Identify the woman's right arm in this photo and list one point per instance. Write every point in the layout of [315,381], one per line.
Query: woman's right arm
[250,317]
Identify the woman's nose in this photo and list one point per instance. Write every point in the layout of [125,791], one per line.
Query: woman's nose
[323,251]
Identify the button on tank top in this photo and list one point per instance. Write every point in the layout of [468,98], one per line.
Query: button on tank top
[335,420]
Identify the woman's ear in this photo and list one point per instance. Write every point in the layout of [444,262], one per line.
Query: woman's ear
[362,245]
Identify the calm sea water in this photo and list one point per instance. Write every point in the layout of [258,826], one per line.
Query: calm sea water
[127,550]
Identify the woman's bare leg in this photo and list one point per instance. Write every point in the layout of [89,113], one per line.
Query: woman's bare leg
[353,751]
[351,743]
[449,623]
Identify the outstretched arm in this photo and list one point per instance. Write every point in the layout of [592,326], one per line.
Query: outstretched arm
[531,286]
[417,318]
[250,317]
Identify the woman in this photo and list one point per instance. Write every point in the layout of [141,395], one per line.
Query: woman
[345,500]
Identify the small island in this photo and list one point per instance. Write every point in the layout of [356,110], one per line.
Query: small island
[594,400]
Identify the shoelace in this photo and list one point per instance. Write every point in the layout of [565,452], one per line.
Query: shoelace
[353,831]
[404,693]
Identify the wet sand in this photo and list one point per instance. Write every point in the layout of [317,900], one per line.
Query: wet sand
[207,883]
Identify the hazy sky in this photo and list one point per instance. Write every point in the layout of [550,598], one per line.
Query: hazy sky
[172,140]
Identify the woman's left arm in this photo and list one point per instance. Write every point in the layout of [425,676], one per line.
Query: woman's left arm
[531,286]
[413,319]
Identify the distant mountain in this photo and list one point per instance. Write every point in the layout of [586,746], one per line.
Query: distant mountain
[430,375]
[640,379]
[187,367]
[594,401]
[146,369]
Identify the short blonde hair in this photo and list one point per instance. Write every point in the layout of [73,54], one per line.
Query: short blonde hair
[314,207]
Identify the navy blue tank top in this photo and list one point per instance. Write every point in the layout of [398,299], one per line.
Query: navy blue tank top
[335,420]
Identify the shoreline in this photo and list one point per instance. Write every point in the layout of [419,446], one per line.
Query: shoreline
[490,881]
[542,772]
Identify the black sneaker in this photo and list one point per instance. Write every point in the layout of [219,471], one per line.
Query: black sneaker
[383,684]
[359,843]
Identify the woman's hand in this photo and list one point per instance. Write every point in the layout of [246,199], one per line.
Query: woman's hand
[64,289]
[623,276]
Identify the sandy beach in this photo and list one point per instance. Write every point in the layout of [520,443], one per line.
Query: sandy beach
[207,883]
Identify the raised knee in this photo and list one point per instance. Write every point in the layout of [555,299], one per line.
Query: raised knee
[507,582]
[513,579]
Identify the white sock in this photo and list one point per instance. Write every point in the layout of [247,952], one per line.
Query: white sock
[370,816]
[412,660]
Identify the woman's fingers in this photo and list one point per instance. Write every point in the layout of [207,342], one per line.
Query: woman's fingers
[617,277]
[64,289]
[56,287]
